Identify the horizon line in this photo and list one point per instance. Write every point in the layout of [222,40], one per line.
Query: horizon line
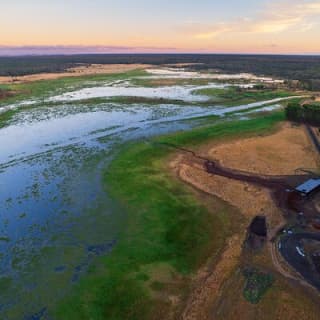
[158,53]
[69,50]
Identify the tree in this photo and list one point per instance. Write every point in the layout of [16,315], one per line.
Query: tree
[294,112]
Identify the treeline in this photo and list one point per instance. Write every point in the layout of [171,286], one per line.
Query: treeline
[19,66]
[307,113]
[304,68]
[310,84]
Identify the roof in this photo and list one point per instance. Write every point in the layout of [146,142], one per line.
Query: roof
[309,186]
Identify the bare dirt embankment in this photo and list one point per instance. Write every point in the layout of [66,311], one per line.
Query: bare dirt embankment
[280,153]
[94,69]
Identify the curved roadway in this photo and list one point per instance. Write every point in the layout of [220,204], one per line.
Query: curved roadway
[291,248]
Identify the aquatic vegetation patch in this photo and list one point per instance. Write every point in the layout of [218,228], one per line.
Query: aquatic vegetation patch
[6,117]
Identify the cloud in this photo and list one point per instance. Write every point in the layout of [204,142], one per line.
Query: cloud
[286,15]
[274,18]
[205,31]
[61,49]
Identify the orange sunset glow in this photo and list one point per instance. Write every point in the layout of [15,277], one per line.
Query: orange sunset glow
[163,26]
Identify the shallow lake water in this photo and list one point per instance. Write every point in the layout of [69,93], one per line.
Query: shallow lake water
[184,93]
[55,216]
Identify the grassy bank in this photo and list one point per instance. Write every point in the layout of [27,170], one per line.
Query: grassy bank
[167,235]
[224,130]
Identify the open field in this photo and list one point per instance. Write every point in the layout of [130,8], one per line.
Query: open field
[281,152]
[278,154]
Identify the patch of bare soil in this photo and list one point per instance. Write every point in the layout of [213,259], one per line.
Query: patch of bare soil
[93,69]
[280,153]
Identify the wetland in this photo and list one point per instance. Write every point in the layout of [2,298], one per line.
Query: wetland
[88,213]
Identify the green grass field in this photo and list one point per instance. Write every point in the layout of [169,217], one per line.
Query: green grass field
[167,233]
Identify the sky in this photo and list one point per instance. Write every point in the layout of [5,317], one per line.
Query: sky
[125,26]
